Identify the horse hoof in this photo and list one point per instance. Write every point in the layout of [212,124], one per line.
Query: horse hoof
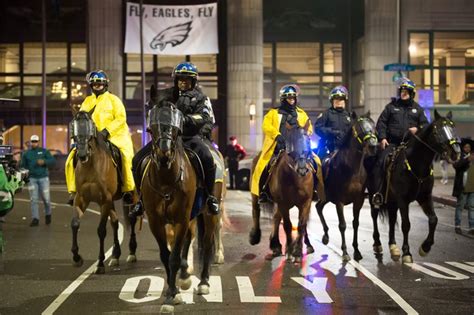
[346,257]
[219,259]
[167,309]
[407,259]
[190,270]
[325,239]
[177,299]
[378,249]
[78,263]
[422,252]
[184,284]
[395,252]
[309,250]
[131,259]
[100,270]
[113,262]
[357,256]
[255,236]
[203,289]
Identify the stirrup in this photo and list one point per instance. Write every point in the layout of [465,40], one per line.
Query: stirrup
[213,205]
[377,200]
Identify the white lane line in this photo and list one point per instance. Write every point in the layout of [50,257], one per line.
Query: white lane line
[390,292]
[76,283]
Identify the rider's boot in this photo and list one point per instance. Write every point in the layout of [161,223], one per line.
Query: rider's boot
[72,195]
[212,201]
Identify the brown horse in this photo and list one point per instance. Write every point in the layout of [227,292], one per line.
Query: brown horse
[97,181]
[169,188]
[345,182]
[290,184]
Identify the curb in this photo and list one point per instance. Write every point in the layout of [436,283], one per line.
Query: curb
[448,201]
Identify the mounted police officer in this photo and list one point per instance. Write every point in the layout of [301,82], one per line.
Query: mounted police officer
[333,124]
[197,110]
[274,128]
[400,118]
[109,116]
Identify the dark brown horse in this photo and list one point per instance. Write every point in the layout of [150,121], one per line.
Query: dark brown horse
[411,178]
[97,181]
[345,182]
[169,189]
[290,184]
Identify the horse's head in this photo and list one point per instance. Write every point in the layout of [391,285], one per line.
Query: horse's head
[363,130]
[443,137]
[83,130]
[166,124]
[298,146]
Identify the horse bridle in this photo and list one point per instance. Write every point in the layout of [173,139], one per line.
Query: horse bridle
[77,134]
[439,137]
[366,136]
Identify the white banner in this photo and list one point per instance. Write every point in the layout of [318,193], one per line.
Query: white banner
[172,30]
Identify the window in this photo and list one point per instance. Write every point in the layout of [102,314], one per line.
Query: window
[445,63]
[78,58]
[315,67]
[10,58]
[56,58]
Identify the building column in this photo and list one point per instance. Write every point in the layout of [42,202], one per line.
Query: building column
[455,79]
[381,49]
[245,72]
[105,39]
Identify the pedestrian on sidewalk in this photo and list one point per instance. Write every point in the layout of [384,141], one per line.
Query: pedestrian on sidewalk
[234,153]
[37,160]
[463,188]
[444,171]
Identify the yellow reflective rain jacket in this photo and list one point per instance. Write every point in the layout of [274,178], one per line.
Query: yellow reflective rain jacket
[109,113]
[271,129]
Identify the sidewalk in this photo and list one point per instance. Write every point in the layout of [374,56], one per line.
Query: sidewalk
[442,193]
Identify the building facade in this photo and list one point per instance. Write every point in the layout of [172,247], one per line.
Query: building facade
[263,45]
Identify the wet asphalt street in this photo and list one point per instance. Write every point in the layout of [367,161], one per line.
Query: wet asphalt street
[38,277]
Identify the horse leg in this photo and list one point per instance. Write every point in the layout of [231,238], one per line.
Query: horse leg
[309,247]
[285,213]
[184,281]
[428,209]
[255,233]
[319,207]
[116,252]
[392,220]
[302,224]
[407,258]
[75,224]
[377,247]
[175,263]
[356,206]
[102,232]
[132,244]
[208,223]
[342,229]
[275,245]
[219,246]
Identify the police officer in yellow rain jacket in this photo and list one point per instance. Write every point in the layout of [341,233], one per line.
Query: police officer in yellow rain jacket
[274,130]
[108,113]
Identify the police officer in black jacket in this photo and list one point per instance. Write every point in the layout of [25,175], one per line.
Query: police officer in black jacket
[333,124]
[400,118]
[197,110]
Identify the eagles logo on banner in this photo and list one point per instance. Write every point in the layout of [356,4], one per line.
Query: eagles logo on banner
[172,30]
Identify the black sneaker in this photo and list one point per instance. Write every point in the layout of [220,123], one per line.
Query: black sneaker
[213,205]
[34,222]
[47,219]
[71,199]
[457,230]
[137,210]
